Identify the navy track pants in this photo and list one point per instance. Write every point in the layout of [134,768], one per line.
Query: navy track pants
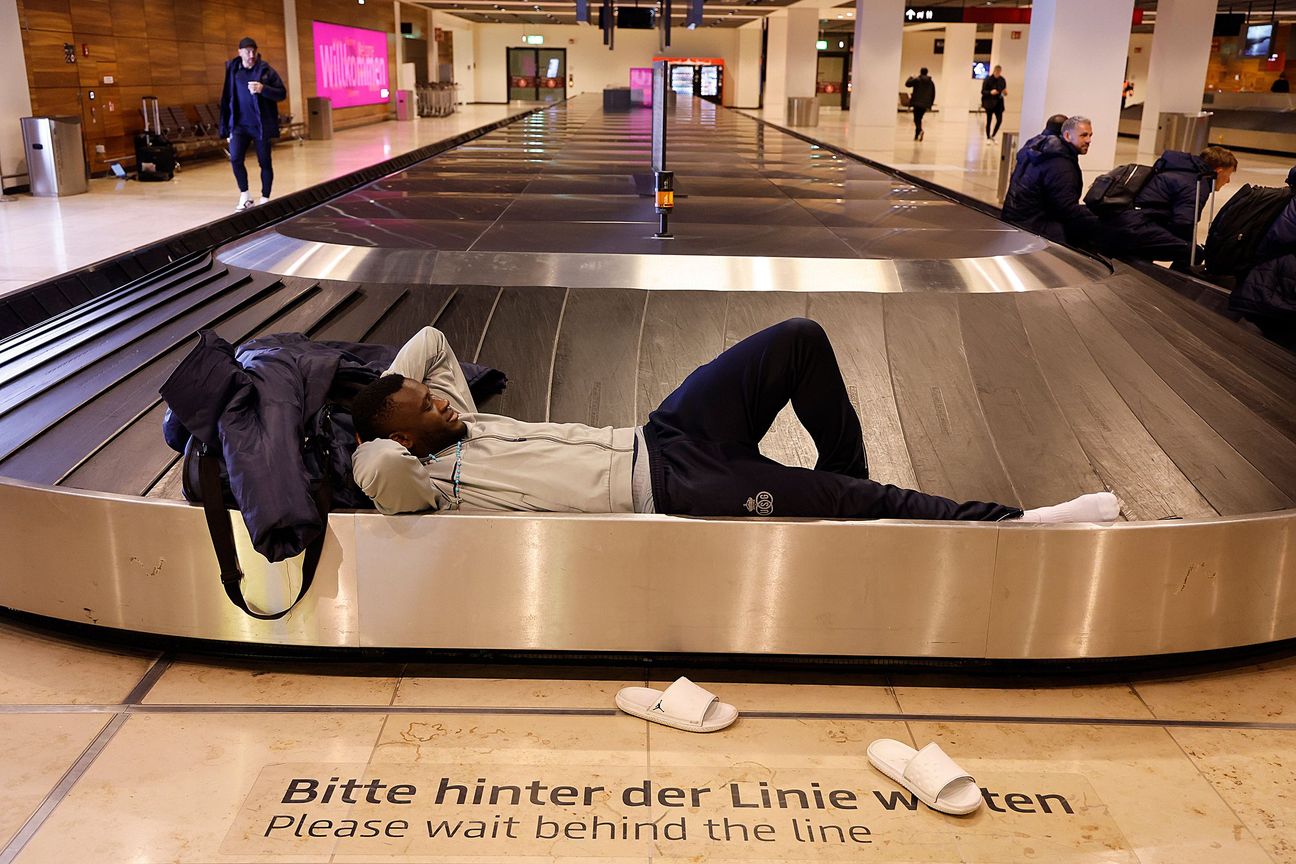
[702,440]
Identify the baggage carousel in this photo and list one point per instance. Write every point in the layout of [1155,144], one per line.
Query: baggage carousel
[985,362]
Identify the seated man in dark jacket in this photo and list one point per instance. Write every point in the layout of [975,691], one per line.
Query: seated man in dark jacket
[1267,296]
[1162,224]
[1044,196]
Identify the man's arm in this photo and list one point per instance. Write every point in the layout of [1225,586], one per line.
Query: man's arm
[428,357]
[1062,191]
[272,86]
[394,478]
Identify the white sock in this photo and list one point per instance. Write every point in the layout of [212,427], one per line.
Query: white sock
[244,197]
[263,199]
[1094,507]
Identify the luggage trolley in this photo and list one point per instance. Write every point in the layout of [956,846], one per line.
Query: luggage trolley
[436,99]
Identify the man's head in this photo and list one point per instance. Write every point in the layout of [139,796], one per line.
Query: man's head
[248,51]
[995,72]
[407,412]
[1222,161]
[1078,132]
[1291,177]
[922,71]
[1054,124]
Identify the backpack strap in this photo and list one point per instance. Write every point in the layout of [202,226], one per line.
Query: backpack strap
[221,529]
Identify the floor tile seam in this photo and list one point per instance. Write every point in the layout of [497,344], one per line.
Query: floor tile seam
[11,850]
[1237,818]
[251,708]
[148,680]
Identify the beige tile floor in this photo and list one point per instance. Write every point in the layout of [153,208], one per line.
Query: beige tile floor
[43,237]
[1191,766]
[955,154]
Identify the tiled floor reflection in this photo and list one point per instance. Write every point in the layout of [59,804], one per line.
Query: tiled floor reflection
[1171,769]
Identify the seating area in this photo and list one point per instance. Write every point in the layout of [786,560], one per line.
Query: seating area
[196,130]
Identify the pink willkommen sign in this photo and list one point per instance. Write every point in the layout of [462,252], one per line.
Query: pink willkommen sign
[350,65]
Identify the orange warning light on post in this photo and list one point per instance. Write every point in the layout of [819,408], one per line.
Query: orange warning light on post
[665,199]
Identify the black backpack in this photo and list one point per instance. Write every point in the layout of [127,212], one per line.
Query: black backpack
[326,452]
[1233,242]
[1116,190]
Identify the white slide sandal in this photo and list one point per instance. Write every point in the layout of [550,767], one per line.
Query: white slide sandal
[683,705]
[929,773]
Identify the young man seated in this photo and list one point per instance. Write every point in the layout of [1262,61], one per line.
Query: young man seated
[426,447]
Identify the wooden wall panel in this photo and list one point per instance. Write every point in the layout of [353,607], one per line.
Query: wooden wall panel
[92,17]
[373,15]
[173,49]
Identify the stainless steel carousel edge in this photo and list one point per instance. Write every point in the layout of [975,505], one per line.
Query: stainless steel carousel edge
[555,582]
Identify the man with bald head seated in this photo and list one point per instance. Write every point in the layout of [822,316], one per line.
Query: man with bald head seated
[425,446]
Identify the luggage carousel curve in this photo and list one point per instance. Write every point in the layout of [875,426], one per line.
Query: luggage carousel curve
[984,363]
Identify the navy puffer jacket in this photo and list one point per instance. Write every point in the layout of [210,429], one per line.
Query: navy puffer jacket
[1162,220]
[1044,196]
[1269,292]
[1280,239]
[273,91]
[253,405]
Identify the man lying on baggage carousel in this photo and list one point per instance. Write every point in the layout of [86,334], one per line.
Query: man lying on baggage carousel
[426,447]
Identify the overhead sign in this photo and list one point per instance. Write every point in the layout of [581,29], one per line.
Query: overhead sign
[978,15]
[924,14]
[533,40]
[350,65]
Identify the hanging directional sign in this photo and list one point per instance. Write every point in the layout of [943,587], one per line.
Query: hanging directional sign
[924,14]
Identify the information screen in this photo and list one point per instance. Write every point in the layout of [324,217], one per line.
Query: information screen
[350,65]
[1258,39]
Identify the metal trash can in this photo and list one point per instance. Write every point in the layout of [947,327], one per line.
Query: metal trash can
[802,111]
[405,105]
[319,118]
[1187,132]
[1007,161]
[56,163]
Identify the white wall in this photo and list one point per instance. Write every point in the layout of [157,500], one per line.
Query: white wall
[589,63]
[918,49]
[747,82]
[465,57]
[776,61]
[15,100]
[878,50]
[1075,64]
[1138,66]
[296,103]
[962,92]
[1010,53]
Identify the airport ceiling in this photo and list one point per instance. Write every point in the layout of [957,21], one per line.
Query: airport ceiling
[735,13]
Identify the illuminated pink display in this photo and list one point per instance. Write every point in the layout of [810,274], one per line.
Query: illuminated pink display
[350,65]
[641,78]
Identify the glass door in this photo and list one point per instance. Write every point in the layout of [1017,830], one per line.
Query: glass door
[830,85]
[552,66]
[537,74]
[522,71]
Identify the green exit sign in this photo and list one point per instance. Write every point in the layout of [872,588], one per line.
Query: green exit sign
[533,40]
[821,45]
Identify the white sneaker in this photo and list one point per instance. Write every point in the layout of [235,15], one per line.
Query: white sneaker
[244,203]
[262,200]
